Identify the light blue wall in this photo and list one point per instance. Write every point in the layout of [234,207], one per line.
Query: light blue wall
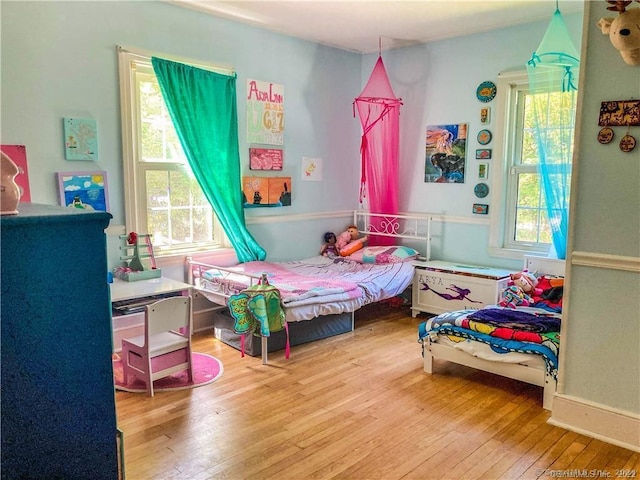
[601,336]
[437,83]
[59,60]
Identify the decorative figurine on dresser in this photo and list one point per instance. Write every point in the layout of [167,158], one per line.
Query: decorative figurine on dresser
[57,394]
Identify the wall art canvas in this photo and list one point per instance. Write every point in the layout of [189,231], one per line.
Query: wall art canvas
[80,139]
[18,154]
[483,153]
[311,169]
[480,209]
[265,159]
[485,115]
[265,112]
[446,152]
[266,192]
[619,113]
[483,170]
[86,190]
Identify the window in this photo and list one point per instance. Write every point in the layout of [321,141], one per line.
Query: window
[162,196]
[522,225]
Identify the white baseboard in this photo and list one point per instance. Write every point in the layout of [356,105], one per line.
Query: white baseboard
[613,426]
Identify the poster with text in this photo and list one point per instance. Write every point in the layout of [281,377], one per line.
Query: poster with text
[446,152]
[265,112]
[266,192]
[265,159]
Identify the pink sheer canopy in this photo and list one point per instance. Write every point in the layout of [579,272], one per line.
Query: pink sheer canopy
[379,111]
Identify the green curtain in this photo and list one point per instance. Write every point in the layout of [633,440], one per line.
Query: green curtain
[203,108]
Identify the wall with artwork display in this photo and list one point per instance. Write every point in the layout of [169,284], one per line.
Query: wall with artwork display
[300,103]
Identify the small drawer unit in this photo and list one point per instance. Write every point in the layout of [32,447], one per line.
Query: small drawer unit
[440,287]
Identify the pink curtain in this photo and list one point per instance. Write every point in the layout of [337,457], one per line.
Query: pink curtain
[379,111]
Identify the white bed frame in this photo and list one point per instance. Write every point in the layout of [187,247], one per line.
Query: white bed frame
[414,229]
[536,375]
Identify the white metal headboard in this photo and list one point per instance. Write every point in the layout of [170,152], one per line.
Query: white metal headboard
[411,227]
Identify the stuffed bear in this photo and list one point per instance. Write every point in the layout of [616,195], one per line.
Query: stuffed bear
[348,242]
[513,297]
[526,281]
[623,31]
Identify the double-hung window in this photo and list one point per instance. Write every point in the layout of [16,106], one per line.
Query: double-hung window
[162,196]
[521,225]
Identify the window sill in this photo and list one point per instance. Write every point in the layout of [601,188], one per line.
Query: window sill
[515,254]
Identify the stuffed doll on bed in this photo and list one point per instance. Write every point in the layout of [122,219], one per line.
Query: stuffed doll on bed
[350,241]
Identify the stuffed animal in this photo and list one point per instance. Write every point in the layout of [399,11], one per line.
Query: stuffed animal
[526,281]
[623,30]
[513,297]
[349,241]
[328,248]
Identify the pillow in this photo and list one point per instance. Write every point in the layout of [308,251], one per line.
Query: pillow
[379,255]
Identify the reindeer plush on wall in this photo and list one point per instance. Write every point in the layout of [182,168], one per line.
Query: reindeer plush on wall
[623,30]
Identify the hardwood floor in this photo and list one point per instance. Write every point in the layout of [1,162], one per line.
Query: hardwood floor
[355,406]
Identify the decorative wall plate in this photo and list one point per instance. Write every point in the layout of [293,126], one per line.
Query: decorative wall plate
[627,143]
[486,91]
[605,135]
[484,137]
[481,190]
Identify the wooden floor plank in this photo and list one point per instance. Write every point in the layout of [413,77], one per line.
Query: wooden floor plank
[354,406]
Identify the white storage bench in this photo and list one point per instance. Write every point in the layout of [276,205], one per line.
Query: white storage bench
[440,287]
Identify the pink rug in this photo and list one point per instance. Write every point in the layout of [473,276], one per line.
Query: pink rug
[206,369]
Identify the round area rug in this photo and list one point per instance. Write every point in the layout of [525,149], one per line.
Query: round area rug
[206,369]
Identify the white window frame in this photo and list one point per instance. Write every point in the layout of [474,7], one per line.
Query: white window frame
[504,173]
[135,198]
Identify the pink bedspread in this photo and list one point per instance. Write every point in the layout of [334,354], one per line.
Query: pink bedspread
[321,279]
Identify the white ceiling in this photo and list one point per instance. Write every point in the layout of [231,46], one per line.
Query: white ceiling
[363,25]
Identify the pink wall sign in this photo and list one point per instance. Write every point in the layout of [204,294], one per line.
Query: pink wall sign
[265,159]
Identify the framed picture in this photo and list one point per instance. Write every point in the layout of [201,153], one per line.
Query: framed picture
[480,209]
[265,159]
[483,154]
[80,139]
[446,153]
[86,190]
[485,115]
[483,170]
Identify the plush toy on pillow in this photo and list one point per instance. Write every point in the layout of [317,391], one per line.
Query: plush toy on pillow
[348,242]
[526,281]
[513,297]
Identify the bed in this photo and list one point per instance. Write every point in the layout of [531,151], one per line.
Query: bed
[520,343]
[320,294]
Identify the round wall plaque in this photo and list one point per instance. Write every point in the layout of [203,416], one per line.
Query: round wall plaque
[481,190]
[484,137]
[605,135]
[627,143]
[486,91]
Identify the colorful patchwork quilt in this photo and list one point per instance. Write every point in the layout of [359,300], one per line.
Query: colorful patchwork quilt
[523,329]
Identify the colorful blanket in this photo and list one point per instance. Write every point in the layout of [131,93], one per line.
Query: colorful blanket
[527,330]
[551,297]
